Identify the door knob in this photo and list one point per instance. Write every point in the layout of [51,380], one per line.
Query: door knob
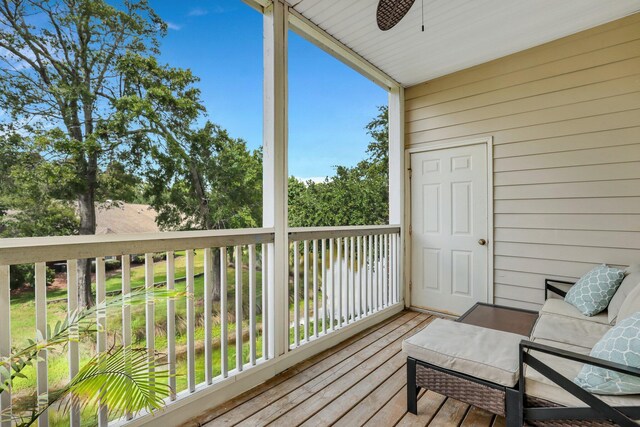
[482,242]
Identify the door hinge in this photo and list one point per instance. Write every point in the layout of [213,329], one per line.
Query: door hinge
[410,230]
[410,173]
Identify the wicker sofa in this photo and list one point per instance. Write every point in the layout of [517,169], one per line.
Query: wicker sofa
[543,393]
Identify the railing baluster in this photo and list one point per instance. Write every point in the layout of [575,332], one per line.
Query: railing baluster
[73,350]
[191,323]
[369,260]
[296,314]
[101,340]
[239,315]
[315,288]
[171,323]
[306,289]
[390,267]
[150,307]
[41,329]
[385,270]
[126,306]
[359,282]
[5,342]
[353,280]
[324,286]
[347,280]
[332,306]
[224,332]
[265,308]
[252,304]
[380,272]
[208,315]
[339,244]
[376,272]
[394,267]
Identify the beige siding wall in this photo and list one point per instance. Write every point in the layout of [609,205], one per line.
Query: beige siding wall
[565,120]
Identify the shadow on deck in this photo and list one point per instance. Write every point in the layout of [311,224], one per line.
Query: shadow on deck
[361,381]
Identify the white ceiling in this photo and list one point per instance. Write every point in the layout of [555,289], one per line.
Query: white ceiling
[458,33]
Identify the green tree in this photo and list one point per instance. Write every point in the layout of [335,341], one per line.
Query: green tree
[357,195]
[199,177]
[61,70]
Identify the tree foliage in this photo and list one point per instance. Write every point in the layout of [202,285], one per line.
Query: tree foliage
[357,195]
[59,74]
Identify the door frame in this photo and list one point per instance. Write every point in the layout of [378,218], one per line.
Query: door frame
[424,147]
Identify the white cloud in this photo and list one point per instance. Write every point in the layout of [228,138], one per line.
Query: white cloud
[173,26]
[198,12]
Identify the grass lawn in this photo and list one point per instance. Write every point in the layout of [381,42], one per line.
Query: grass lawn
[23,327]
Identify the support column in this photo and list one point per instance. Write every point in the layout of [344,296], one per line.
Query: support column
[275,172]
[397,178]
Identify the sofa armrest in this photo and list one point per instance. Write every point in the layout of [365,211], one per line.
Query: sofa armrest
[597,409]
[548,286]
[577,357]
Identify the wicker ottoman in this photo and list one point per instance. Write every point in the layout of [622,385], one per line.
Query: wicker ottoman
[475,365]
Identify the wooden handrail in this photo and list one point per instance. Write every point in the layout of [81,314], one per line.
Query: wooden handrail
[44,249]
[312,233]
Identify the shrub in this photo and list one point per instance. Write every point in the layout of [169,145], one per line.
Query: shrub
[25,274]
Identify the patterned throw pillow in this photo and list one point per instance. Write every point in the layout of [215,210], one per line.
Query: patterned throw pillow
[621,344]
[592,293]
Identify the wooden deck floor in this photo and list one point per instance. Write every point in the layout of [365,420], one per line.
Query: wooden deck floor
[361,381]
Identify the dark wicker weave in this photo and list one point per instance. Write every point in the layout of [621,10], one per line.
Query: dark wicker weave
[481,396]
[534,402]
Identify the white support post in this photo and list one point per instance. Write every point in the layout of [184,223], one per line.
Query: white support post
[275,172]
[397,180]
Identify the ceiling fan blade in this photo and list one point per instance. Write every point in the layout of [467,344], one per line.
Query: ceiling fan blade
[390,12]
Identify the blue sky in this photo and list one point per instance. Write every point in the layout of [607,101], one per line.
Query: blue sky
[329,104]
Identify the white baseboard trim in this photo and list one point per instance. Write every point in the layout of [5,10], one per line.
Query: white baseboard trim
[206,397]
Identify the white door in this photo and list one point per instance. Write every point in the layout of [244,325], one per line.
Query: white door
[449,228]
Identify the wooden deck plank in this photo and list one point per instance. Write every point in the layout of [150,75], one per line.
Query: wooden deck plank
[338,400]
[499,422]
[391,412]
[362,410]
[428,406]
[361,381]
[261,396]
[477,417]
[388,324]
[350,371]
[451,414]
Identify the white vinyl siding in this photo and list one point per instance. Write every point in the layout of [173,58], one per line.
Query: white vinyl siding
[565,122]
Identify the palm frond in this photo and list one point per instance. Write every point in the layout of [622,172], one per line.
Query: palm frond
[125,380]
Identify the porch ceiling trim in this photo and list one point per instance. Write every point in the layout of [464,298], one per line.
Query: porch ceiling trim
[325,41]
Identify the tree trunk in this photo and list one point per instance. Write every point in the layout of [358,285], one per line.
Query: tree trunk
[87,213]
[216,275]
[205,217]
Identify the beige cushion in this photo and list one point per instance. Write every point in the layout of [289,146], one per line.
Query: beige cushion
[473,350]
[543,388]
[569,330]
[629,283]
[562,308]
[631,304]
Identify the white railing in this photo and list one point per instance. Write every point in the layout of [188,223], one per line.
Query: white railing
[217,354]
[339,275]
